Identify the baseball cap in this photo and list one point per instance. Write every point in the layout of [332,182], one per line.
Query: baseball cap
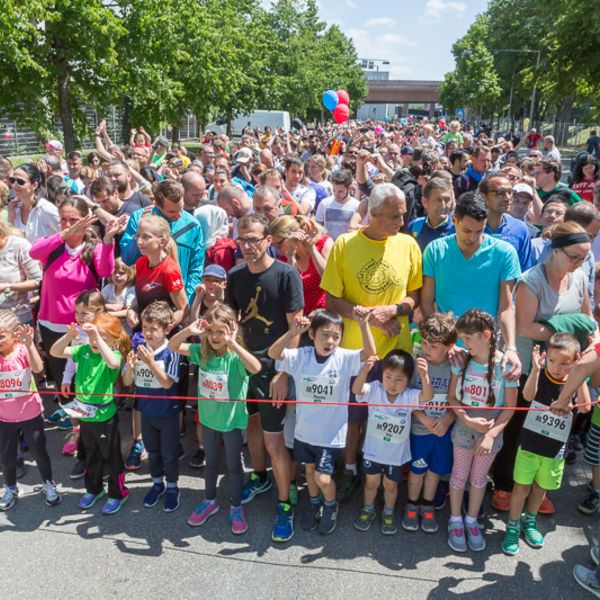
[523,188]
[215,271]
[407,150]
[55,144]
[243,155]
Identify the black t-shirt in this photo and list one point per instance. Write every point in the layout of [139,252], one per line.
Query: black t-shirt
[548,391]
[263,299]
[136,201]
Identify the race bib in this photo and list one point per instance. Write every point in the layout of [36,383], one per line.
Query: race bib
[548,424]
[475,390]
[317,388]
[144,377]
[388,429]
[437,407]
[78,410]
[213,385]
[15,383]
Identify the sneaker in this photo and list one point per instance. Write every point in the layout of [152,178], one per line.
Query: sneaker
[198,459]
[172,498]
[202,512]
[309,520]
[136,455]
[456,536]
[78,471]
[510,543]
[113,505]
[328,519]
[8,498]
[253,487]
[501,500]
[595,554]
[533,536]
[474,537]
[441,495]
[284,523]
[293,494]
[51,494]
[21,467]
[237,520]
[546,507]
[586,578]
[428,519]
[388,523]
[65,424]
[410,520]
[153,496]
[349,484]
[58,415]
[364,519]
[590,505]
[88,500]
[70,446]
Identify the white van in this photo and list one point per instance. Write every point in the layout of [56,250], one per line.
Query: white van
[256,119]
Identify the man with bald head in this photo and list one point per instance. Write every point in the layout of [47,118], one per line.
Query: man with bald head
[266,158]
[194,191]
[234,201]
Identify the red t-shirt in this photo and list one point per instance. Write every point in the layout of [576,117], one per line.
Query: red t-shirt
[156,283]
[532,140]
[585,189]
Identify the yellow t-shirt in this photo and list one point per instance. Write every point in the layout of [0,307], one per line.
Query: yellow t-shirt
[373,273]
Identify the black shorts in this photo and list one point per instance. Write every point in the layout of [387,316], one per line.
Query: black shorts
[271,417]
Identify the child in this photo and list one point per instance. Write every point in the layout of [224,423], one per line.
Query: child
[540,458]
[155,370]
[477,433]
[119,294]
[98,362]
[590,504]
[387,444]
[210,291]
[430,441]
[224,370]
[322,374]
[21,410]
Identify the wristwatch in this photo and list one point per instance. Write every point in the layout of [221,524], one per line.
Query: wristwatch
[95,207]
[399,310]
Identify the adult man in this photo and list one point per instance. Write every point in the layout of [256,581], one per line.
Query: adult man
[336,211]
[185,231]
[294,190]
[480,164]
[74,165]
[235,203]
[52,166]
[406,154]
[194,191]
[498,193]
[521,204]
[55,148]
[364,269]
[392,157]
[471,268]
[266,202]
[207,155]
[266,158]
[268,295]
[552,152]
[533,139]
[547,177]
[120,173]
[592,144]
[458,164]
[313,146]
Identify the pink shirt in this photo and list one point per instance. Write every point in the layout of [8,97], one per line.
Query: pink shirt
[15,374]
[67,277]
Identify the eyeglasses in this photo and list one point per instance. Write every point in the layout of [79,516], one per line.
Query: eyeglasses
[250,241]
[574,259]
[502,192]
[18,180]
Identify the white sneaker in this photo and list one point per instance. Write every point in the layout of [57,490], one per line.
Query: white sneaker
[51,493]
[8,498]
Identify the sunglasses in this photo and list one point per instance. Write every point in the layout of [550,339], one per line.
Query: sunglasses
[18,180]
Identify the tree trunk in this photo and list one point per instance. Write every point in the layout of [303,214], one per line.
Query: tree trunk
[174,134]
[64,105]
[229,119]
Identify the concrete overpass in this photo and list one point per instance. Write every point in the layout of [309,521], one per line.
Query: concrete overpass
[401,92]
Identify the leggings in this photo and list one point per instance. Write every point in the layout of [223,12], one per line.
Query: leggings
[56,366]
[9,444]
[467,466]
[233,455]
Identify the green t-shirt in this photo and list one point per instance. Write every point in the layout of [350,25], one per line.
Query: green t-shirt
[453,137]
[571,196]
[225,379]
[595,395]
[95,377]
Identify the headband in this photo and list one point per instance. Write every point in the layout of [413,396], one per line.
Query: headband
[569,239]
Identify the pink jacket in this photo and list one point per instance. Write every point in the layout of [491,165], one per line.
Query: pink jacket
[67,277]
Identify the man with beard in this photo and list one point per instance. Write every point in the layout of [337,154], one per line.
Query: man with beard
[120,173]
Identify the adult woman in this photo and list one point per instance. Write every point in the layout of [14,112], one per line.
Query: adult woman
[19,273]
[302,243]
[30,211]
[585,176]
[317,172]
[72,263]
[222,178]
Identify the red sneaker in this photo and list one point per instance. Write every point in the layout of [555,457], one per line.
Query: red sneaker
[501,500]
[547,507]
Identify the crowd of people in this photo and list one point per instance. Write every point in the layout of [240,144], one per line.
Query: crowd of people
[360,304]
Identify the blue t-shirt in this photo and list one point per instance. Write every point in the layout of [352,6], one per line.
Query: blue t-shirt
[516,233]
[460,283]
[424,233]
[146,383]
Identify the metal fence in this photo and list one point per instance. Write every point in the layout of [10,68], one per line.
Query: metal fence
[570,135]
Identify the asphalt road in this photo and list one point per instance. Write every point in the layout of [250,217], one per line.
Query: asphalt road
[64,552]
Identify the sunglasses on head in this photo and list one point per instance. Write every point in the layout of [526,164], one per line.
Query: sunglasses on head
[18,180]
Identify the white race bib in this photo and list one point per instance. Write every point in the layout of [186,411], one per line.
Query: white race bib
[145,378]
[213,385]
[475,389]
[14,381]
[548,424]
[389,429]
[437,407]
[78,410]
[317,388]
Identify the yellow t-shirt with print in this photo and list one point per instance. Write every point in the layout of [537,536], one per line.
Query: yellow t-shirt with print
[373,273]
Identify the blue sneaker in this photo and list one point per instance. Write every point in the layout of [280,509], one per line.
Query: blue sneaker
[152,497]
[172,499]
[136,455]
[88,500]
[284,524]
[441,495]
[58,415]
[253,487]
[65,424]
[113,505]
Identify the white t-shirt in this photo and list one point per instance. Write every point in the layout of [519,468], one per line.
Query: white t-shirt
[305,194]
[325,425]
[126,298]
[335,216]
[387,439]
[43,220]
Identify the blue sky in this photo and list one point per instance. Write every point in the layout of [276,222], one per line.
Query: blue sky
[414,35]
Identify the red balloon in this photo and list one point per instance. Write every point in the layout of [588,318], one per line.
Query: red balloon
[343,97]
[341,113]
[442,123]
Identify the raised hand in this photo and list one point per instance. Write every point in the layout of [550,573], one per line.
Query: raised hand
[131,360]
[422,367]
[538,359]
[78,228]
[198,327]
[299,325]
[91,330]
[72,332]
[111,229]
[231,331]
[370,363]
[145,355]
[25,335]
[361,314]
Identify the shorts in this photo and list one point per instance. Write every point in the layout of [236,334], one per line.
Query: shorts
[357,411]
[324,459]
[271,417]
[431,453]
[289,426]
[391,472]
[591,455]
[546,472]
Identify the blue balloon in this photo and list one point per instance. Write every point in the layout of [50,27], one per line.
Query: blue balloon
[330,99]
